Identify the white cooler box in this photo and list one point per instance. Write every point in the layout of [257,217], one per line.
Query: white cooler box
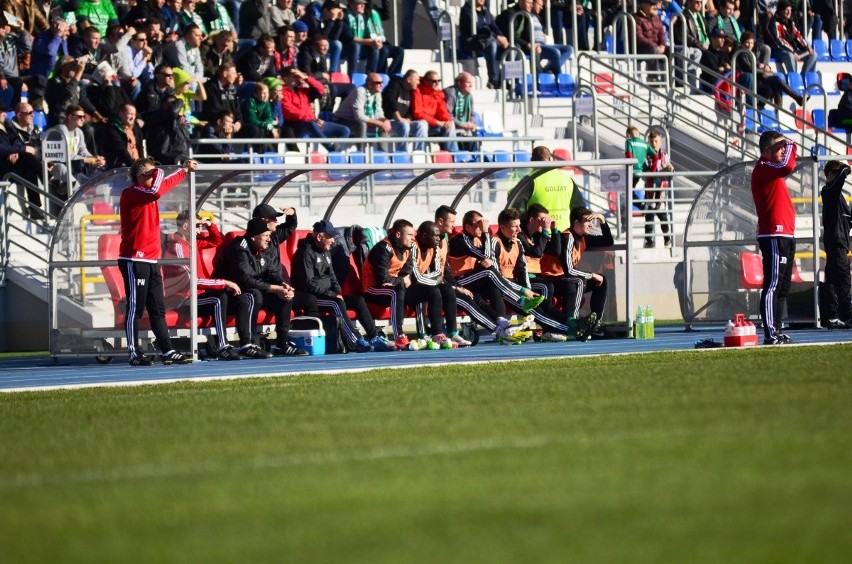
[308,334]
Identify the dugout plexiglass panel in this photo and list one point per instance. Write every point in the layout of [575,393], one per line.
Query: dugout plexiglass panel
[720,275]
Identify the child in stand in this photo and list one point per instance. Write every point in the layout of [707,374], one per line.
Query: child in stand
[635,147]
[654,205]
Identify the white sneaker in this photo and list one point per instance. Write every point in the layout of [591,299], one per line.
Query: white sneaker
[460,341]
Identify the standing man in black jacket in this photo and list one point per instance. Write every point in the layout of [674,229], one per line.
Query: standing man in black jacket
[122,139]
[834,292]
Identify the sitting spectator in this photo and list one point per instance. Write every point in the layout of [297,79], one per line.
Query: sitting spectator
[222,128]
[258,63]
[155,90]
[460,105]
[369,42]
[788,45]
[29,134]
[97,13]
[63,90]
[428,104]
[302,30]
[28,12]
[312,61]
[257,113]
[332,24]
[769,85]
[156,40]
[187,91]
[13,45]
[122,139]
[222,95]
[142,12]
[49,46]
[555,53]
[171,17]
[697,41]
[842,116]
[532,41]
[396,105]
[217,51]
[563,21]
[361,111]
[114,50]
[19,158]
[299,91]
[276,92]
[250,261]
[167,133]
[282,13]
[255,19]
[286,52]
[104,96]
[139,57]
[82,161]
[488,41]
[185,54]
[188,15]
[218,19]
[726,19]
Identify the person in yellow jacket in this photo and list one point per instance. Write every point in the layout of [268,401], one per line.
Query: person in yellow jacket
[554,189]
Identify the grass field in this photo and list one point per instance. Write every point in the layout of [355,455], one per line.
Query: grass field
[704,456]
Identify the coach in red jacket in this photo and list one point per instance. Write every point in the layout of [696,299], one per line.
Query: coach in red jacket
[138,255]
[429,104]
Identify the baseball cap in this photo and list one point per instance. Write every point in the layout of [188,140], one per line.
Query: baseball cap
[265,210]
[299,26]
[718,32]
[256,226]
[325,226]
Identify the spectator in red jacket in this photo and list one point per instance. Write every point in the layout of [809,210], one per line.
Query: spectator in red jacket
[299,91]
[429,104]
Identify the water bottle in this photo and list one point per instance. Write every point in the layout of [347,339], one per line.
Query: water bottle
[729,329]
[639,325]
[649,323]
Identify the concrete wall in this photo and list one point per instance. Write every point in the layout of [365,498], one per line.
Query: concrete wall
[23,320]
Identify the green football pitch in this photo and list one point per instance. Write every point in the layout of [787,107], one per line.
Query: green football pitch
[699,456]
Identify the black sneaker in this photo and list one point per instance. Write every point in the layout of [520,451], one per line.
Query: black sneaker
[777,340]
[785,340]
[141,359]
[229,353]
[587,326]
[253,351]
[175,357]
[288,349]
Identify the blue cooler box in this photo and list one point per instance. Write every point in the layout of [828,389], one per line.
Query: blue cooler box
[308,334]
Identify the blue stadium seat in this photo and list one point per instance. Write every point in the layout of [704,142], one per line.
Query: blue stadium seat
[812,78]
[359,79]
[849,49]
[795,81]
[530,86]
[269,157]
[385,80]
[357,157]
[401,157]
[821,50]
[39,119]
[337,158]
[547,85]
[566,85]
[837,51]
[501,156]
[818,118]
[523,156]
[380,157]
[244,90]
[752,122]
[769,121]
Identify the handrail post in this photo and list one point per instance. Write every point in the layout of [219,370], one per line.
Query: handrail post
[503,57]
[444,15]
[533,59]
